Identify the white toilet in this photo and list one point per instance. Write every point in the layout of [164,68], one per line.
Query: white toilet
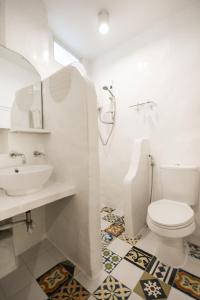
[172,218]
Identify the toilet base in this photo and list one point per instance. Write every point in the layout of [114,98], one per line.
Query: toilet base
[171,251]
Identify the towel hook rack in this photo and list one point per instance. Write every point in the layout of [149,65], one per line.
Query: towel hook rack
[151,103]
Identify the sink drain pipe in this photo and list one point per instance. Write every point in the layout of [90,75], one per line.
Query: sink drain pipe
[10,224]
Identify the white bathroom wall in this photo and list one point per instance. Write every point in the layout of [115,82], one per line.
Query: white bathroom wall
[72,147]
[3,141]
[2,21]
[163,65]
[24,29]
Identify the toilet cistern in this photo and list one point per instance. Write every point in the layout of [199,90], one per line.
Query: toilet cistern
[172,218]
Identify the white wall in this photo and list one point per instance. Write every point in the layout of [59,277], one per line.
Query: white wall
[74,229]
[72,147]
[26,31]
[2,21]
[163,65]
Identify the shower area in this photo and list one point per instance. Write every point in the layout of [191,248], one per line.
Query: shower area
[136,184]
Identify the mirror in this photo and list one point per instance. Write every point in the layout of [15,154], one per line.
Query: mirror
[20,92]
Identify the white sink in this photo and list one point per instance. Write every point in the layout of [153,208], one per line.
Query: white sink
[23,180]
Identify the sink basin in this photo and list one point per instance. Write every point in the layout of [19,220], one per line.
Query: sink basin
[23,180]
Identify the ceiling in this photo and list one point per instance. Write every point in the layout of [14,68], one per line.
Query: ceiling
[75,24]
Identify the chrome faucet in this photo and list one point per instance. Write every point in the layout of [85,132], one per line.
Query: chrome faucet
[38,153]
[15,154]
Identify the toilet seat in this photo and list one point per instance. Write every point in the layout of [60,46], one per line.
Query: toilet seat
[169,214]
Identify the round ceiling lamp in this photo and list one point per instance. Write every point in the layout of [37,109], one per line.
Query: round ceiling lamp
[103,17]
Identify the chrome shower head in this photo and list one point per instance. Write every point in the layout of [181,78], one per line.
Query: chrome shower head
[105,88]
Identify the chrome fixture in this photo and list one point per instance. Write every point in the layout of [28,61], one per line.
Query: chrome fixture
[37,153]
[8,224]
[112,113]
[152,165]
[15,154]
[106,88]
[29,222]
[149,103]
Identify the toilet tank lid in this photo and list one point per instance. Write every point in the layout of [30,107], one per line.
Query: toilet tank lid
[179,166]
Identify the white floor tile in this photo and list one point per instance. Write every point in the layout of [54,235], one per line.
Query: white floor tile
[177,295]
[30,292]
[127,273]
[148,242]
[15,281]
[104,224]
[36,250]
[41,264]
[56,254]
[192,265]
[91,284]
[119,247]
[91,298]
[2,296]
[135,296]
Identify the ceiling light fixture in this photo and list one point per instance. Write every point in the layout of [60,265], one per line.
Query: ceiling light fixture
[103,17]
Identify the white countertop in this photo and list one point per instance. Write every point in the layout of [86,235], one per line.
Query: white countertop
[12,206]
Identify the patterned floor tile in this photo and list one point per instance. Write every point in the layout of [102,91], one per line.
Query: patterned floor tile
[115,229]
[72,290]
[53,279]
[150,288]
[194,250]
[112,289]
[132,241]
[161,271]
[187,283]
[107,209]
[106,238]
[110,260]
[113,219]
[139,258]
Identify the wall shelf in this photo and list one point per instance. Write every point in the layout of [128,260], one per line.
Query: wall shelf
[29,130]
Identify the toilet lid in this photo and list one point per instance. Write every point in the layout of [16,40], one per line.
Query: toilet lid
[170,213]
